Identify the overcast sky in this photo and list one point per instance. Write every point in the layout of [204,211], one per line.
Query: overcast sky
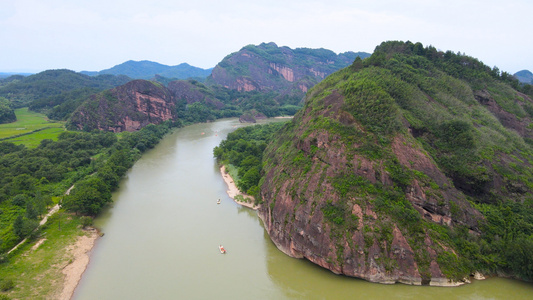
[37,35]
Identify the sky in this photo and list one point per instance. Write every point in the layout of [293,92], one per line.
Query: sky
[92,35]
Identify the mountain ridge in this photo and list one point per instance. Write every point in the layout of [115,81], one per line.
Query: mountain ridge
[269,67]
[146,69]
[23,90]
[280,73]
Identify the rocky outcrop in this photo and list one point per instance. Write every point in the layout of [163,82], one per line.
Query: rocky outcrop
[267,67]
[252,117]
[296,205]
[508,119]
[399,204]
[126,108]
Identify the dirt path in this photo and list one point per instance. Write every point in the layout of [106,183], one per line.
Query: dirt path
[52,211]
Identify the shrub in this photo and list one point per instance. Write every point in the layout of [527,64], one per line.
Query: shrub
[6,285]
[86,221]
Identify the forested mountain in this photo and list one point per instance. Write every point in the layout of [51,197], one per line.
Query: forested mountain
[22,91]
[524,76]
[94,162]
[411,166]
[148,69]
[4,75]
[140,102]
[258,81]
[269,68]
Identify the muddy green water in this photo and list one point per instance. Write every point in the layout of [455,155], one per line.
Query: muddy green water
[163,231]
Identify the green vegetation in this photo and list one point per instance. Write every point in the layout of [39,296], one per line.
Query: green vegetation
[34,179]
[34,138]
[232,103]
[275,94]
[25,90]
[30,128]
[432,103]
[37,273]
[7,115]
[243,150]
[59,107]
[92,162]
[148,69]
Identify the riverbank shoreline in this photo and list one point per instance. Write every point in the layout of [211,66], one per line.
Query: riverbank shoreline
[74,270]
[234,193]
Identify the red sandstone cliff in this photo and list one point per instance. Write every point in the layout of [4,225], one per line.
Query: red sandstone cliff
[267,67]
[365,242]
[126,108]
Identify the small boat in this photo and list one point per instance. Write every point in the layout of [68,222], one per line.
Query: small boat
[218,202]
[222,250]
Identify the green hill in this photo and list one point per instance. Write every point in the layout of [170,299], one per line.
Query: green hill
[412,166]
[24,90]
[287,72]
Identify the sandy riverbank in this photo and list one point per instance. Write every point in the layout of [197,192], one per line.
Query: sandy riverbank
[80,259]
[233,191]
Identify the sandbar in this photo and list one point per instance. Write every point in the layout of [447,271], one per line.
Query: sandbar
[233,191]
[80,252]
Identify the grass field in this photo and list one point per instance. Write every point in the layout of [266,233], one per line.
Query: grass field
[30,128]
[36,273]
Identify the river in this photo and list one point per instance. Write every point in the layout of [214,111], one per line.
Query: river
[163,231]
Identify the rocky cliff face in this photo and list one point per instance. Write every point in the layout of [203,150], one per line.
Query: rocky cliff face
[268,67]
[296,204]
[126,108]
[387,161]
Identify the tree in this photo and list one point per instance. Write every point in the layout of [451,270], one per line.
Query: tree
[31,212]
[357,64]
[7,114]
[88,197]
[18,226]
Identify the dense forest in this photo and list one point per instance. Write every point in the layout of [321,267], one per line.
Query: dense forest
[221,102]
[31,180]
[243,149]
[22,91]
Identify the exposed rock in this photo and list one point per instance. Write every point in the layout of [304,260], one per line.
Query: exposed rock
[478,276]
[346,198]
[509,120]
[126,108]
[267,67]
[252,117]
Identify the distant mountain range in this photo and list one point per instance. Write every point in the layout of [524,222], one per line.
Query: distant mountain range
[148,69]
[524,76]
[7,74]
